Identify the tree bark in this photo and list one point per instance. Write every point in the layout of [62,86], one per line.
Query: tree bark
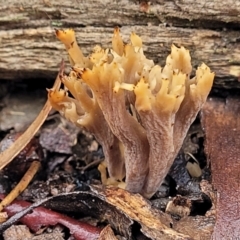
[29,48]
[221,121]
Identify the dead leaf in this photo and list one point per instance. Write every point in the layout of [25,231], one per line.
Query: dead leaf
[18,232]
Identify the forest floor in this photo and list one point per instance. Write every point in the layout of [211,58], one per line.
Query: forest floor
[69,182]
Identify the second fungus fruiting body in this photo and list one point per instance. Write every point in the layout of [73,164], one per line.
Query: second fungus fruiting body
[138,111]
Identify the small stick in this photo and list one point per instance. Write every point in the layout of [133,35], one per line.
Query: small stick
[21,186]
[91,164]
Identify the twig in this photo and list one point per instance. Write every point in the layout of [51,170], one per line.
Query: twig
[91,164]
[21,186]
[35,217]
[7,156]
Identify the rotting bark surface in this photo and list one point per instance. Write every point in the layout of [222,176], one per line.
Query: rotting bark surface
[208,29]
[221,121]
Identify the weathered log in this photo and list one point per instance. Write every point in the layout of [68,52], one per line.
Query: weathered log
[29,48]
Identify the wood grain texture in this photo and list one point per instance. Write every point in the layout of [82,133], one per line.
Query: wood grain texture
[29,49]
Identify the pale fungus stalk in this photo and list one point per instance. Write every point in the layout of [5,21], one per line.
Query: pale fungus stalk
[138,111]
[101,80]
[158,119]
[84,111]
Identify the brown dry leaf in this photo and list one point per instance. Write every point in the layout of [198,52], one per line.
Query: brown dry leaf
[59,138]
[154,223]
[18,232]
[221,121]
[22,232]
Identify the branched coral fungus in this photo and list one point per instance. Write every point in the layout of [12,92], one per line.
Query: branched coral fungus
[139,112]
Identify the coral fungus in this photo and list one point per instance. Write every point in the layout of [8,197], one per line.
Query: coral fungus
[138,111]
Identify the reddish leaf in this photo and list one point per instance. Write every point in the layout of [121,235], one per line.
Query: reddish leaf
[41,216]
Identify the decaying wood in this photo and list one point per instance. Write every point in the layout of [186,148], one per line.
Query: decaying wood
[221,120]
[107,234]
[29,48]
[197,227]
[154,224]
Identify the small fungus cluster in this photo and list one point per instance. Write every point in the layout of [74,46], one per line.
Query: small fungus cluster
[138,111]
